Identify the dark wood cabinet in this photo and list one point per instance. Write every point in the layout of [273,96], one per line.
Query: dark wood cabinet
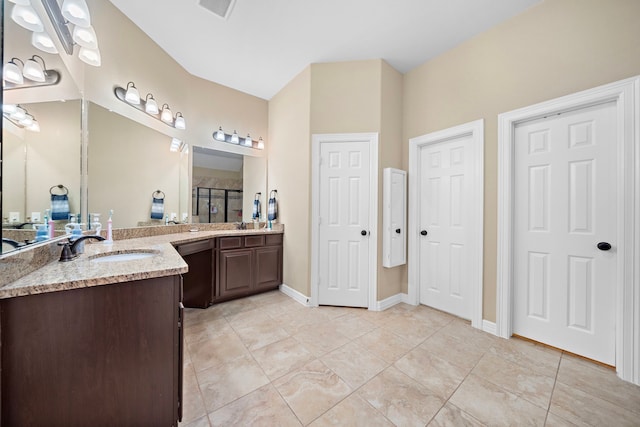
[198,282]
[101,356]
[247,265]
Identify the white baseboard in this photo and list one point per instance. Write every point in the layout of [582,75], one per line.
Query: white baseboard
[391,301]
[489,327]
[297,296]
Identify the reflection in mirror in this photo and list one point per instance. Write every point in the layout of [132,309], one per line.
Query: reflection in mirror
[127,163]
[33,162]
[217,186]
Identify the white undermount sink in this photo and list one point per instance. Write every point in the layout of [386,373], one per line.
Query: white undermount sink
[122,256]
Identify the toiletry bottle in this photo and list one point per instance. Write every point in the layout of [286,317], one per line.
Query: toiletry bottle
[166,219]
[51,226]
[70,226]
[76,233]
[109,228]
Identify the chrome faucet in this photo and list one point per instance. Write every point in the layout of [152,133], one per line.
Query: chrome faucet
[69,249]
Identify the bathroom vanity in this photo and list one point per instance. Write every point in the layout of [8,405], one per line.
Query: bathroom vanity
[231,267]
[98,340]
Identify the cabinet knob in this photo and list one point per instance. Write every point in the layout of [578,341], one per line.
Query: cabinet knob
[364,232]
[424,232]
[398,230]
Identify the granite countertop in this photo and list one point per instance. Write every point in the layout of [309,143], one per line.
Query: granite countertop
[82,272]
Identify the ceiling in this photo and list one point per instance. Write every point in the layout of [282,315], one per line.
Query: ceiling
[263,44]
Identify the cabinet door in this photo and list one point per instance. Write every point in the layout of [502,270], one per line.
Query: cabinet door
[236,272]
[268,264]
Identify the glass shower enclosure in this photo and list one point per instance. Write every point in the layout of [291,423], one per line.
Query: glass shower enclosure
[212,205]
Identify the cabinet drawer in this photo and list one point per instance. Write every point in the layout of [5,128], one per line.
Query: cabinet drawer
[273,239]
[231,242]
[191,248]
[252,241]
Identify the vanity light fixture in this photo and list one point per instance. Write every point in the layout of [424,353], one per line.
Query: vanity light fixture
[234,138]
[132,96]
[33,70]
[175,145]
[32,74]
[85,37]
[90,56]
[20,117]
[43,41]
[26,17]
[76,12]
[179,122]
[219,135]
[150,105]
[12,73]
[166,115]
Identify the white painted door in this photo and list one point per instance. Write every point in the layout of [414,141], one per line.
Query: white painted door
[565,204]
[445,253]
[344,228]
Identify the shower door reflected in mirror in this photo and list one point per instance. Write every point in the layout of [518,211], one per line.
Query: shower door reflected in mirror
[213,205]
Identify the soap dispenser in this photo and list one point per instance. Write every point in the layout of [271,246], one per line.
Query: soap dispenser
[71,225]
[96,227]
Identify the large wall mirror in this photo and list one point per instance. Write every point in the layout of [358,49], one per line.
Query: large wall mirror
[126,161]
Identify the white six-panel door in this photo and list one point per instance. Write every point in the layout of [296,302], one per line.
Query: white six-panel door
[446,258]
[565,204]
[344,224]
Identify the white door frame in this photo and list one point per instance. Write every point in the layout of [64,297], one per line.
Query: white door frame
[476,130]
[626,95]
[316,141]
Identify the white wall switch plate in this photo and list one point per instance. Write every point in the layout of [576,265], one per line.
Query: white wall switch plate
[35,217]
[14,216]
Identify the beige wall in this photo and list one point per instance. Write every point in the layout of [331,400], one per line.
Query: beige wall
[288,172]
[343,97]
[553,49]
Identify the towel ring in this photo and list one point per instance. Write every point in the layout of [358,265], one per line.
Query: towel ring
[272,195]
[61,187]
[157,192]
[257,196]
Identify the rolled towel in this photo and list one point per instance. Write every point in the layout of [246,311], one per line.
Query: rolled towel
[59,203]
[272,211]
[256,207]
[157,205]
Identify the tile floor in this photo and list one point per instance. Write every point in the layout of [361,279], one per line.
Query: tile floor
[268,361]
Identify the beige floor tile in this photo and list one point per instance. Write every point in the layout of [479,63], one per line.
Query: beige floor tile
[261,334]
[272,297]
[193,316]
[384,344]
[353,325]
[452,416]
[599,381]
[227,382]
[320,338]
[296,320]
[262,407]
[455,351]
[247,318]
[556,421]
[282,357]
[335,312]
[431,317]
[526,383]
[192,402]
[581,408]
[431,371]
[409,329]
[311,390]
[354,364]
[206,330]
[288,306]
[221,349]
[494,405]
[237,306]
[402,400]
[200,422]
[352,411]
[539,358]
[462,330]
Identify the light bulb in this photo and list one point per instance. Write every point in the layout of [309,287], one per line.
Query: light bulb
[247,141]
[19,114]
[33,70]
[260,144]
[26,17]
[76,12]
[43,42]
[8,108]
[132,96]
[151,106]
[180,123]
[12,73]
[220,134]
[234,138]
[166,115]
[90,56]
[34,126]
[85,37]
